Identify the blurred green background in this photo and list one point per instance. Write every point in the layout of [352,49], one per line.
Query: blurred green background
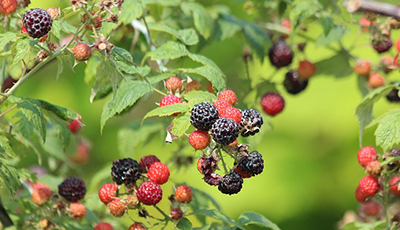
[311,169]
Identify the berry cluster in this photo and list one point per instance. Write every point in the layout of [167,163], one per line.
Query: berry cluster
[141,182]
[381,186]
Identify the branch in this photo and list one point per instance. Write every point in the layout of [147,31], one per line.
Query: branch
[372,7]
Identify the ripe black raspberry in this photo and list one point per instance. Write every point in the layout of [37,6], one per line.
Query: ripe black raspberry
[280,54]
[393,96]
[253,164]
[231,183]
[212,179]
[382,46]
[72,189]
[203,116]
[37,22]
[293,83]
[125,171]
[251,122]
[225,131]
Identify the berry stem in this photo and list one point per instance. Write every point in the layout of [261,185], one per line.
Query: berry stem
[222,159]
[167,218]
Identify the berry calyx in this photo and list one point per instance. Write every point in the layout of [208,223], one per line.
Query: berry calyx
[82,52]
[228,96]
[366,155]
[183,194]
[77,210]
[362,68]
[231,113]
[147,161]
[37,22]
[272,103]
[72,189]
[394,185]
[225,131]
[280,54]
[306,69]
[149,193]
[107,193]
[173,84]
[125,171]
[369,185]
[8,6]
[230,183]
[203,116]
[199,139]
[117,208]
[103,226]
[158,173]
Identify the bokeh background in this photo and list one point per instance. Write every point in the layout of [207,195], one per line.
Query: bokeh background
[311,169]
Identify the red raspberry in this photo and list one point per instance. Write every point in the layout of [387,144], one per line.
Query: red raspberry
[82,52]
[193,86]
[170,100]
[199,139]
[8,6]
[241,173]
[147,161]
[173,84]
[81,155]
[231,113]
[272,103]
[75,125]
[285,22]
[366,155]
[41,195]
[376,80]
[394,185]
[371,208]
[107,193]
[199,164]
[183,194]
[359,197]
[362,68]
[96,22]
[369,185]
[158,173]
[374,168]
[176,213]
[365,24]
[306,69]
[398,45]
[117,208]
[221,105]
[149,193]
[103,226]
[229,96]
[137,226]
[77,210]
[387,64]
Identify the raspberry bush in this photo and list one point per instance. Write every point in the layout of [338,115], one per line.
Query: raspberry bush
[148,63]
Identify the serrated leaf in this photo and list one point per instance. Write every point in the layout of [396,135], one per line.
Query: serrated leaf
[68,28]
[34,115]
[5,148]
[334,35]
[9,176]
[56,28]
[126,95]
[164,2]
[168,110]
[67,60]
[219,216]
[216,78]
[155,79]
[387,133]
[20,51]
[130,10]
[203,21]
[131,136]
[61,112]
[326,22]
[205,61]
[257,39]
[121,54]
[91,68]
[187,36]
[364,111]
[6,38]
[63,132]
[225,29]
[132,69]
[170,50]
[378,225]
[257,219]
[197,96]
[341,59]
[180,124]
[184,224]
[106,75]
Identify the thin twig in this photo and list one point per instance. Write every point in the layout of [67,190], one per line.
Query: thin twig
[8,110]
[372,7]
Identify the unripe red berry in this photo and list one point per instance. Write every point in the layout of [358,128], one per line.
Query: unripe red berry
[376,80]
[158,173]
[107,193]
[229,96]
[371,208]
[8,6]
[306,69]
[137,226]
[272,103]
[369,185]
[103,226]
[199,139]
[183,194]
[359,196]
[173,84]
[394,185]
[362,68]
[366,155]
[77,210]
[82,52]
[117,208]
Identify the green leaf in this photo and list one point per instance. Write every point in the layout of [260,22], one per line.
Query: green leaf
[91,68]
[164,2]
[187,36]
[5,148]
[106,74]
[257,38]
[56,28]
[126,95]
[6,38]
[364,111]
[326,22]
[121,54]
[63,132]
[65,60]
[378,225]
[156,79]
[219,216]
[184,224]
[20,51]
[130,10]
[61,112]
[334,35]
[216,78]
[180,124]
[226,29]
[205,61]
[203,21]
[257,219]
[195,97]
[387,133]
[131,136]
[341,59]
[34,115]
[170,50]
[168,110]
[9,176]
[68,28]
